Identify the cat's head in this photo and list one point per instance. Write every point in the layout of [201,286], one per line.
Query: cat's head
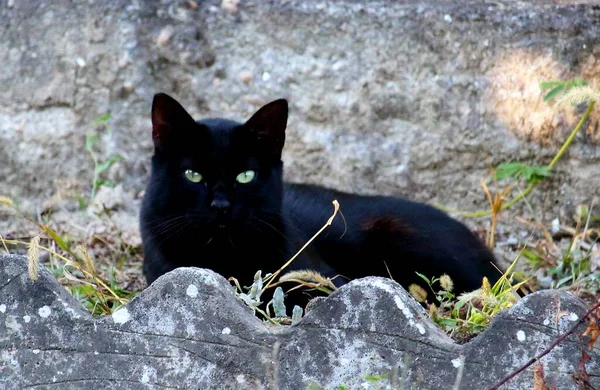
[216,172]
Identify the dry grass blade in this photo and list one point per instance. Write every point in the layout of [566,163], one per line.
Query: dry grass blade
[4,244]
[33,256]
[577,95]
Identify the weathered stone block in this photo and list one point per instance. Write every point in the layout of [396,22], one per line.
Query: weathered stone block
[188,330]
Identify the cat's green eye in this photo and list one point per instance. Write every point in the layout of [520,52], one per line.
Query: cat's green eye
[193,176]
[245,177]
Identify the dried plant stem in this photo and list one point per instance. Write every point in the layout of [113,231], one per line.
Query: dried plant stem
[336,207]
[528,189]
[4,244]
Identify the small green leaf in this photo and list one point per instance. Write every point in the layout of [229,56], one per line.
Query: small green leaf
[56,237]
[424,278]
[100,183]
[505,170]
[108,163]
[551,84]
[90,139]
[102,118]
[531,173]
[376,378]
[81,202]
[578,82]
[554,92]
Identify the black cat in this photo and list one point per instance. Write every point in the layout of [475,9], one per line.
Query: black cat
[216,199]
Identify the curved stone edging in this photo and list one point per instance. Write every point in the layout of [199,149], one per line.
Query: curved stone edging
[187,330]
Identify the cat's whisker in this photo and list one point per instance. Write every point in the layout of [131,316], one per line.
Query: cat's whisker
[163,221]
[232,244]
[281,234]
[176,231]
[278,216]
[168,228]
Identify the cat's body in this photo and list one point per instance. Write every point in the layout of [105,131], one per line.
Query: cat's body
[216,200]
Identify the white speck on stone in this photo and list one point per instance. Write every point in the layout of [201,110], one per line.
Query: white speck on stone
[448,18]
[121,316]
[26,319]
[226,331]
[145,377]
[44,311]
[80,61]
[573,317]
[3,308]
[148,374]
[192,291]
[36,351]
[240,379]
[266,76]
[456,362]
[96,353]
[521,335]
[546,322]
[420,328]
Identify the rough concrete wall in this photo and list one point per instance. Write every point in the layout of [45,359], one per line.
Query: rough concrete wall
[414,98]
[188,330]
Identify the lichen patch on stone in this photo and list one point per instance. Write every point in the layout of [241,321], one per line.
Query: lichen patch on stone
[192,291]
[121,316]
[44,311]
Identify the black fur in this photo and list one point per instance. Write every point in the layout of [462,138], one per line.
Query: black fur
[268,220]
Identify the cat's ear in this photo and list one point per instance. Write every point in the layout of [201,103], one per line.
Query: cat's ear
[268,125]
[169,120]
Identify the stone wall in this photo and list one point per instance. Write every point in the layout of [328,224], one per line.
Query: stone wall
[411,98]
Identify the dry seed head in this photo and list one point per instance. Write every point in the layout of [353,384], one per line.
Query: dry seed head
[307,276]
[432,310]
[417,292]
[485,287]
[88,262]
[577,95]
[33,252]
[6,201]
[446,283]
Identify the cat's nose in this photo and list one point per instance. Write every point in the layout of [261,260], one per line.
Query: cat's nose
[220,206]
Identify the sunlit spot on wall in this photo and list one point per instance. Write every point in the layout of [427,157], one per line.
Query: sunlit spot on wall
[516,98]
